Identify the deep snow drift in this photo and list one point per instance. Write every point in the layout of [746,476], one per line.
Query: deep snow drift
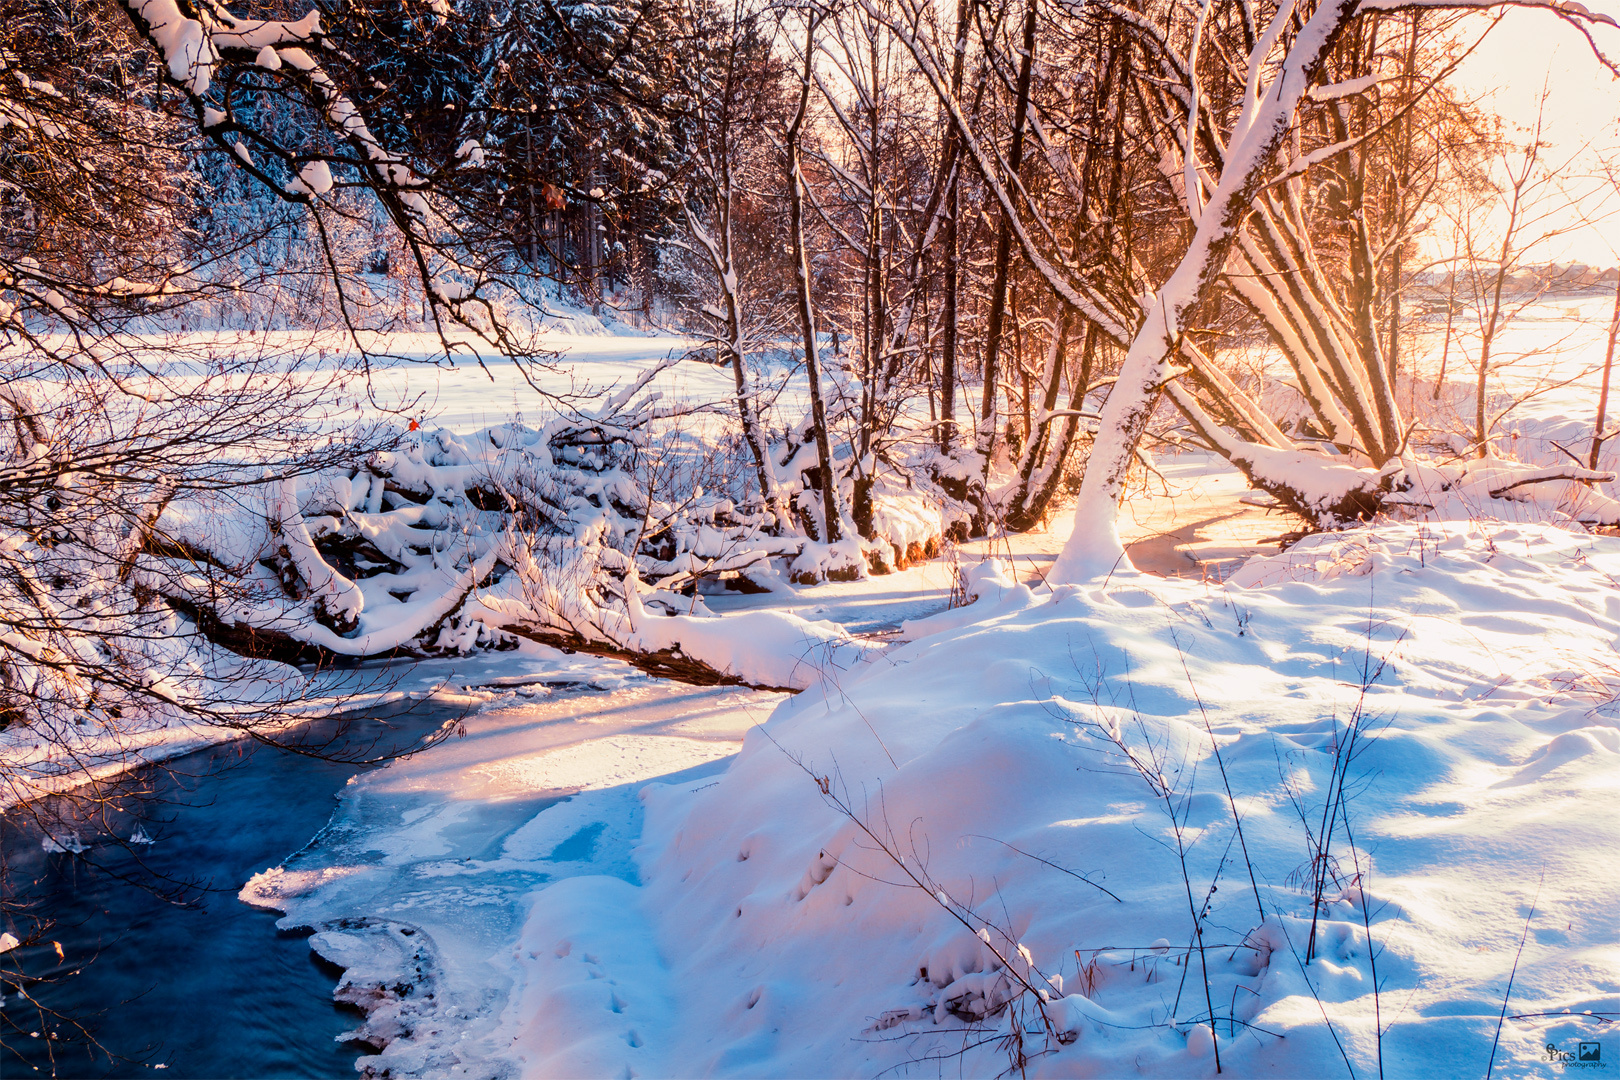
[1028,763]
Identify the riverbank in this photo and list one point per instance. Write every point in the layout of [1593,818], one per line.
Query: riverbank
[962,849]
[426,872]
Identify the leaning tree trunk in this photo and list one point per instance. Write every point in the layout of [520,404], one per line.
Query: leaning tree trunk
[1094,550]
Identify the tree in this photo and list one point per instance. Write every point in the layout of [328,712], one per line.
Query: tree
[731,103]
[103,434]
[1243,161]
[589,110]
[1523,203]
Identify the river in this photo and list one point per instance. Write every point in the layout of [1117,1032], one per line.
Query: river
[160,961]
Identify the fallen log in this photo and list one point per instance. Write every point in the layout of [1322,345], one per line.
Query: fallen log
[664,663]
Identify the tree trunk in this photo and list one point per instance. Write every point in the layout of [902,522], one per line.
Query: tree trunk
[1400,182]
[1050,475]
[747,402]
[1603,394]
[952,255]
[801,281]
[948,333]
[1020,514]
[875,385]
[986,440]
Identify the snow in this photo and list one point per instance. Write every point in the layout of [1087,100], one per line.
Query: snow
[424,879]
[409,374]
[314,178]
[611,873]
[1070,825]
[468,398]
[763,648]
[758,929]
[184,45]
[559,1017]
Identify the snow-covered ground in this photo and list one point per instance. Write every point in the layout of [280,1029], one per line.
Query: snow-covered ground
[1000,832]
[469,397]
[1545,368]
[408,374]
[1548,362]
[1003,834]
[1017,758]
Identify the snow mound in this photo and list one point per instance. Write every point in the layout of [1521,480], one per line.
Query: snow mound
[635,759]
[972,853]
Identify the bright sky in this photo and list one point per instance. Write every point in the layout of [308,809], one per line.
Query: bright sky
[1531,49]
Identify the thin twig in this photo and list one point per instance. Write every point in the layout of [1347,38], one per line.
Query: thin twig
[1512,974]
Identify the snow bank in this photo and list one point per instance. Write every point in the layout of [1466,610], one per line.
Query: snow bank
[577,931]
[441,879]
[909,522]
[1037,777]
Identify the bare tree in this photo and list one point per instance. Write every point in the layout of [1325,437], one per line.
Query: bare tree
[731,109]
[792,141]
[1248,155]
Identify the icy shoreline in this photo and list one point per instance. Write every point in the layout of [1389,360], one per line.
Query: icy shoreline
[428,868]
[36,767]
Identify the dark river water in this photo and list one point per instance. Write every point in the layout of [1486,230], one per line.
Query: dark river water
[171,975]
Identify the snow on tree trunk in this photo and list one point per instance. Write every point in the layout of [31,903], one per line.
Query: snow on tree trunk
[1095,550]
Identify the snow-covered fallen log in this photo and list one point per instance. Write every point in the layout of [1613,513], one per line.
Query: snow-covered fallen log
[1329,491]
[577,533]
[767,649]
